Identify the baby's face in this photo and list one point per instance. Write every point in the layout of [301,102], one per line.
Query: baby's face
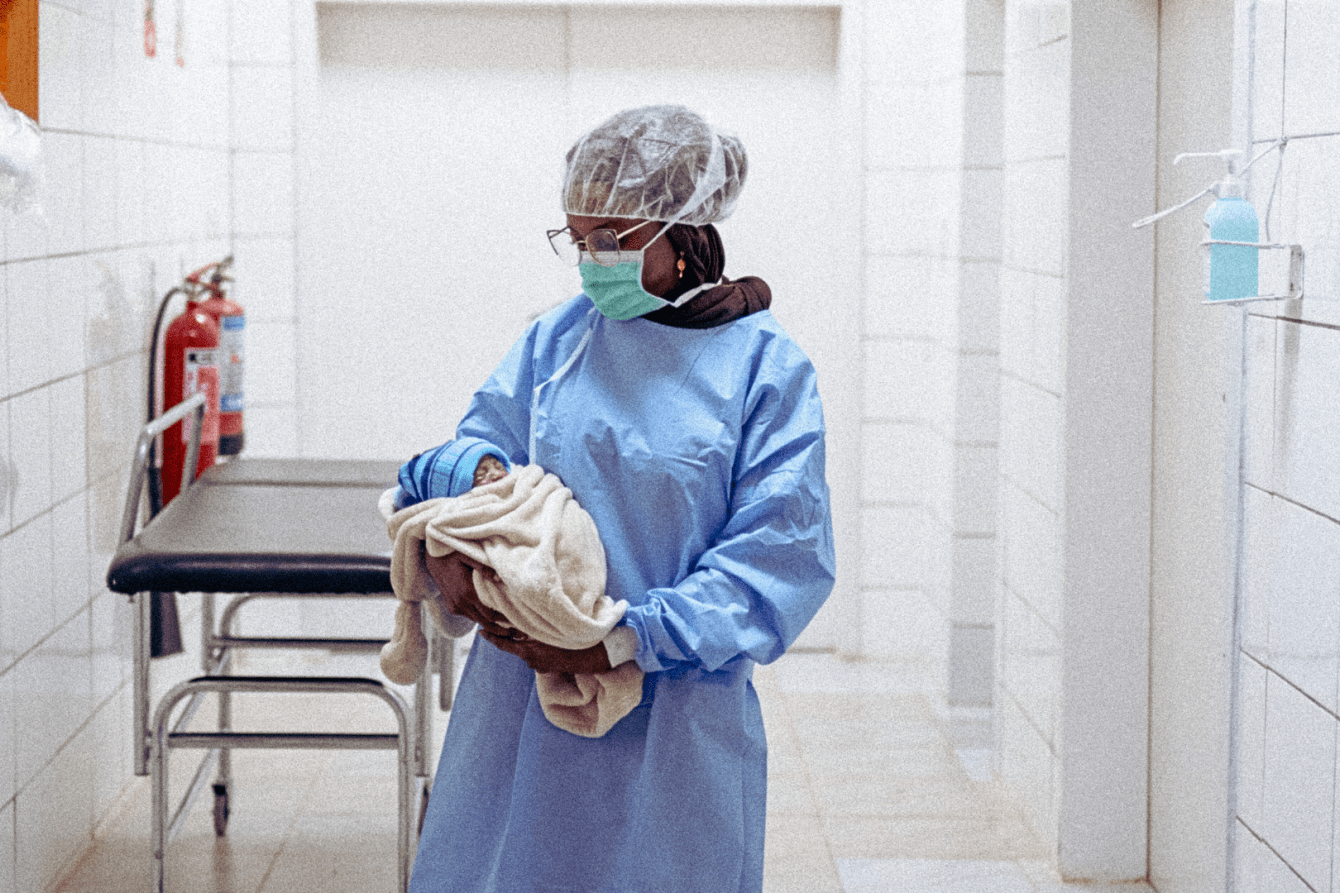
[489,470]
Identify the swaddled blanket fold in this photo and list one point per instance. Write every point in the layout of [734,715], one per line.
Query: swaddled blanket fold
[546,551]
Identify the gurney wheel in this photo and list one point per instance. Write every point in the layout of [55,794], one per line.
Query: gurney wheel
[220,809]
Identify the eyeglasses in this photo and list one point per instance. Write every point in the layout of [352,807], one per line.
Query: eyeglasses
[601,245]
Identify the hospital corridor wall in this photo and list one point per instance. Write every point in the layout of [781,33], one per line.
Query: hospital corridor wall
[152,169]
[428,173]
[1286,827]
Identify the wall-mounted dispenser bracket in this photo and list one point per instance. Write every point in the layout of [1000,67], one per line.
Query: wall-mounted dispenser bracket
[1295,271]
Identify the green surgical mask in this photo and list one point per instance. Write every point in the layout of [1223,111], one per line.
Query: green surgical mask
[617,291]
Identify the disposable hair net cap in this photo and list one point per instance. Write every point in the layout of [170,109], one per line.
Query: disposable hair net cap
[660,162]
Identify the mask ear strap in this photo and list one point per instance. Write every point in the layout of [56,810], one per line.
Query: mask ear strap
[691,294]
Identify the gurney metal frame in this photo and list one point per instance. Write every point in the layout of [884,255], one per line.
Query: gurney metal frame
[154,739]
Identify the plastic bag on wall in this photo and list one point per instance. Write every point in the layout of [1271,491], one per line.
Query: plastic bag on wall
[20,161]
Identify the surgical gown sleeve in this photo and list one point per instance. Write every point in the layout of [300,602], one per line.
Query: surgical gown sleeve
[771,567]
[500,410]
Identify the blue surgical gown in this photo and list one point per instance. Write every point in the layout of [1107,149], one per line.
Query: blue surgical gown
[700,455]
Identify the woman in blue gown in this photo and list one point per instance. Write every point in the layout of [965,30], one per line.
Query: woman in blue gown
[688,424]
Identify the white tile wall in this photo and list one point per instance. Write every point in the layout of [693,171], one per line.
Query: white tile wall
[984,103]
[265,278]
[1297,208]
[112,752]
[984,44]
[908,297]
[1260,410]
[912,212]
[1037,105]
[977,408]
[975,484]
[1251,742]
[1304,607]
[139,190]
[973,574]
[896,624]
[1259,868]
[271,376]
[28,344]
[897,559]
[979,230]
[1031,317]
[1260,548]
[932,191]
[61,72]
[1299,781]
[894,462]
[8,880]
[55,816]
[1030,438]
[913,37]
[910,113]
[979,306]
[262,107]
[71,566]
[1030,538]
[130,198]
[1308,417]
[63,157]
[101,102]
[30,451]
[1034,224]
[1036,97]
[263,193]
[109,647]
[1313,29]
[1287,719]
[262,32]
[1030,663]
[1267,103]
[1027,765]
[897,376]
[69,281]
[101,180]
[7,740]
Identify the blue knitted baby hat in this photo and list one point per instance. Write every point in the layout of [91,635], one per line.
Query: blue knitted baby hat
[448,470]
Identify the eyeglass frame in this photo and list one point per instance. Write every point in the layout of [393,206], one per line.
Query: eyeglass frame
[580,244]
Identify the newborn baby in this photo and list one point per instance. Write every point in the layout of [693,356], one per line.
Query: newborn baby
[548,575]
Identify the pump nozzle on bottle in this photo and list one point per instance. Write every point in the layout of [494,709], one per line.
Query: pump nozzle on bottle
[1229,185]
[1226,154]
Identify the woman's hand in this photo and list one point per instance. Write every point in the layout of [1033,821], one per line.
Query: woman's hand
[454,577]
[544,658]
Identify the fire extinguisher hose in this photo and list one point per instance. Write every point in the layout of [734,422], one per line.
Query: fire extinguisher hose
[165,625]
[155,478]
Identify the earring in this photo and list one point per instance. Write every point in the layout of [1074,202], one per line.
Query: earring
[680,265]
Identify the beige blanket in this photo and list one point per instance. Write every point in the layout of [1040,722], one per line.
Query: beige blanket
[545,549]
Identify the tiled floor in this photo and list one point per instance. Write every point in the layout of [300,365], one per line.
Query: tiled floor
[867,795]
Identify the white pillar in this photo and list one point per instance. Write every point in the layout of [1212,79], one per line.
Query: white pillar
[1106,443]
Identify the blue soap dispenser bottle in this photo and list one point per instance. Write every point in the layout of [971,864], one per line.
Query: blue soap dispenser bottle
[1230,271]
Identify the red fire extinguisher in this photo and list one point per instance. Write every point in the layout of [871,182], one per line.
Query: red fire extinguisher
[190,365]
[232,322]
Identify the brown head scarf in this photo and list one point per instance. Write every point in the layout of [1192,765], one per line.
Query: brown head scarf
[704,258]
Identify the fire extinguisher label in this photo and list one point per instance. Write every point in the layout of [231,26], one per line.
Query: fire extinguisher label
[202,374]
[231,357]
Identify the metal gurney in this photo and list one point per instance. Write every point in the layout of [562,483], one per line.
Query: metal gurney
[233,531]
